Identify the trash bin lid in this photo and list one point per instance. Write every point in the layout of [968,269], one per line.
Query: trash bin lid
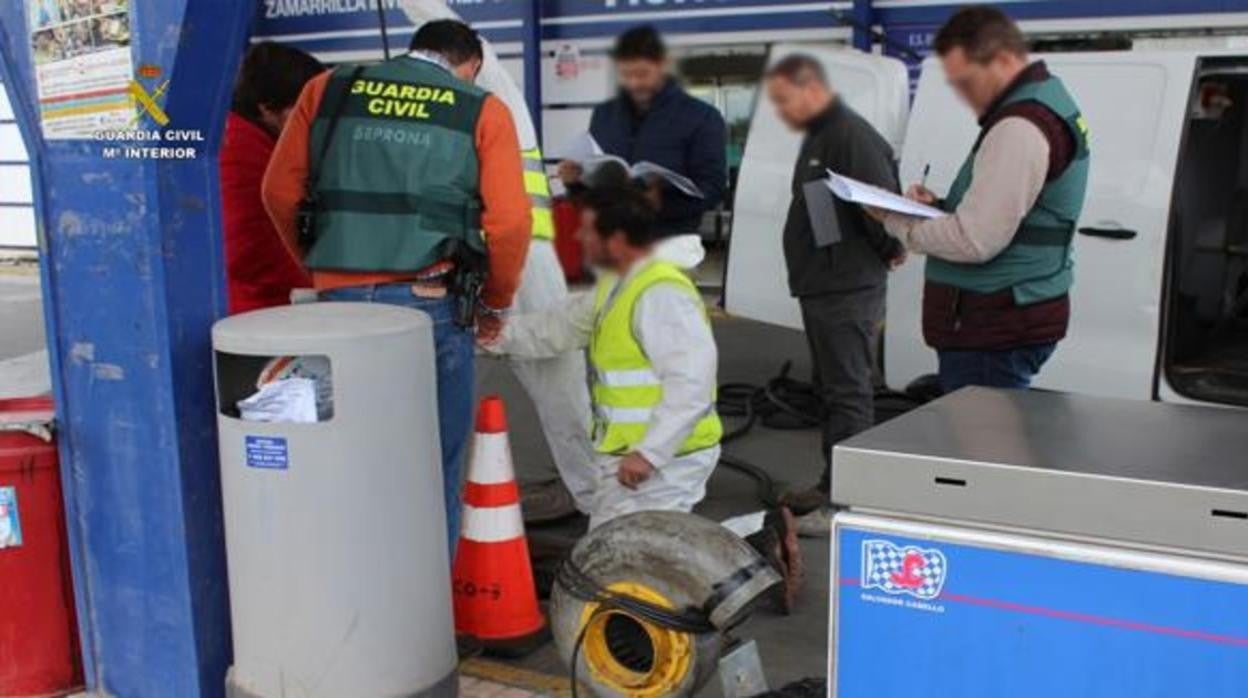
[313,326]
[33,415]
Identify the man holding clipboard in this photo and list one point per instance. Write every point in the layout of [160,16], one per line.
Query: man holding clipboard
[996,298]
[838,258]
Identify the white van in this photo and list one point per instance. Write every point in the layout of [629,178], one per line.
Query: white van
[1160,303]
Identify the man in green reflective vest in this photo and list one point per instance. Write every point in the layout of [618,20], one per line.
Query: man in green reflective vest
[999,268]
[652,361]
[401,183]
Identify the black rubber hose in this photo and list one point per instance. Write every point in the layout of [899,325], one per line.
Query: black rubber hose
[784,403]
[764,484]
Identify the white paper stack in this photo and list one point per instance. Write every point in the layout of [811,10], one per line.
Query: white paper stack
[856,192]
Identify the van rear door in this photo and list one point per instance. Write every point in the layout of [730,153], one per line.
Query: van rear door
[1135,104]
[756,286]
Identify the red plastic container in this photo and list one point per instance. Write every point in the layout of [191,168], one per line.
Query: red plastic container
[567,246]
[39,653]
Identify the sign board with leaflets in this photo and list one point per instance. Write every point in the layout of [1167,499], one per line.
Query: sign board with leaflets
[84,72]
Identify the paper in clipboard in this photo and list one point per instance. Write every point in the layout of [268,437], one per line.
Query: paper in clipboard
[854,191]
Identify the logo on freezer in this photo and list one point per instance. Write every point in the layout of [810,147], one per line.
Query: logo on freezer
[910,571]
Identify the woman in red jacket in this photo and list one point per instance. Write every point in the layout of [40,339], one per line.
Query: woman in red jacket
[259,270]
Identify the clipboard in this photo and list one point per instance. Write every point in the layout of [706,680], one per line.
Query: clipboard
[823,212]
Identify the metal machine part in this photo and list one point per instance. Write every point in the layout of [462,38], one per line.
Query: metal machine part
[1145,474]
[679,562]
[741,672]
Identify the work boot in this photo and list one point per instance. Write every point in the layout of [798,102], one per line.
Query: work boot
[805,501]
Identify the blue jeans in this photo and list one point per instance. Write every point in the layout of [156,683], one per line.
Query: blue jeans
[1009,368]
[454,359]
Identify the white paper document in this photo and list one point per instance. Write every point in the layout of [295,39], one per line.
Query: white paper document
[644,170]
[579,149]
[585,150]
[285,400]
[856,192]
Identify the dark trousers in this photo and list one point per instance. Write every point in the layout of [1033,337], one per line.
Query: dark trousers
[1008,368]
[842,329]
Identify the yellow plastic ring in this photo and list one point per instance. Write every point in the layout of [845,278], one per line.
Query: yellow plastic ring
[671,655]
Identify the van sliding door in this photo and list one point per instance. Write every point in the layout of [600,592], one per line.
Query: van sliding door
[1136,105]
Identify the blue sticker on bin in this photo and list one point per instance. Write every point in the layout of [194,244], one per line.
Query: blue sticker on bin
[10,522]
[267,452]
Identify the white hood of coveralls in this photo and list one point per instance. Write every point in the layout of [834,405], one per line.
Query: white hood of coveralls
[493,76]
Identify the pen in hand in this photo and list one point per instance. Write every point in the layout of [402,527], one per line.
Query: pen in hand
[919,192]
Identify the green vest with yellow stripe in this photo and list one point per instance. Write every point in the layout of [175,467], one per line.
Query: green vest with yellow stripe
[399,182]
[1037,264]
[623,385]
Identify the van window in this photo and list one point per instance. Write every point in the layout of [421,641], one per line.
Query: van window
[1206,332]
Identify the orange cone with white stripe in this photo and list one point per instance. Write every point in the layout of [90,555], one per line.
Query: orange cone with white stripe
[495,598]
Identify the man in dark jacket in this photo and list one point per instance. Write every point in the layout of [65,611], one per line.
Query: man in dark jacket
[838,261]
[653,119]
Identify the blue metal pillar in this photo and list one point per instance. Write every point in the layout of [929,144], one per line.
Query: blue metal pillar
[864,18]
[132,279]
[533,62]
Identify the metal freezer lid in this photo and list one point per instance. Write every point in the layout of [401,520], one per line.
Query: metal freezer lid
[1133,471]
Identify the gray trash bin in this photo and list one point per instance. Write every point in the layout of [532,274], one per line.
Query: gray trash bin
[334,519]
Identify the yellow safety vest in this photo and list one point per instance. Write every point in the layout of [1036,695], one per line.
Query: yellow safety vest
[538,188]
[623,385]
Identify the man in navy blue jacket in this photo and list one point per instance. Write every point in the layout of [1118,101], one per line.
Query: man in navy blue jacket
[653,119]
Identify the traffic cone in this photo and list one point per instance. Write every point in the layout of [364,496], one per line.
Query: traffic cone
[494,595]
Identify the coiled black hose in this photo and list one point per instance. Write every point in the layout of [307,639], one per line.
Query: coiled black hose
[782,403]
[785,403]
